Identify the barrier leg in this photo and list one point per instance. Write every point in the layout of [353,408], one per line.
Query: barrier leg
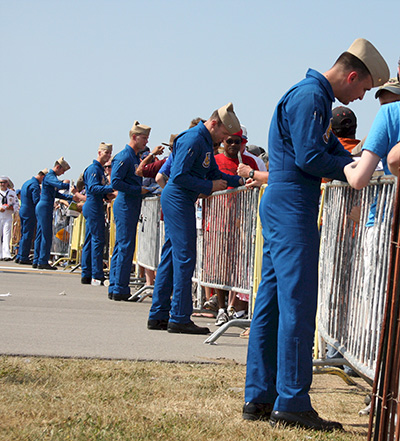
[138,297]
[240,323]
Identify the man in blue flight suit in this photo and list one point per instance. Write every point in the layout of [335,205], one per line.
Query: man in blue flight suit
[30,196]
[93,211]
[302,150]
[126,210]
[44,212]
[194,172]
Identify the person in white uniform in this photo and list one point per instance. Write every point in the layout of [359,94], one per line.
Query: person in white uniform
[8,205]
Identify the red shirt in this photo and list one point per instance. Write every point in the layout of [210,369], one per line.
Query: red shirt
[151,170]
[230,165]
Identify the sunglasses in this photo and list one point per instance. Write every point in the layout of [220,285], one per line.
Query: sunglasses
[107,166]
[3,182]
[233,141]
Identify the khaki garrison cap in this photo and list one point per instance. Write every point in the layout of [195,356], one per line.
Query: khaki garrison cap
[171,140]
[64,164]
[393,85]
[104,147]
[140,129]
[229,118]
[373,60]
[44,171]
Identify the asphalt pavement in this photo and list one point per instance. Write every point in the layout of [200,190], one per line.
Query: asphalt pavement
[50,313]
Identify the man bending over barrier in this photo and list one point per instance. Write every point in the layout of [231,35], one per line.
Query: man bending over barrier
[302,150]
[194,172]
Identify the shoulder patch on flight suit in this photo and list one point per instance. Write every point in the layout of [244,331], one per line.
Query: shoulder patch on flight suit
[328,132]
[206,162]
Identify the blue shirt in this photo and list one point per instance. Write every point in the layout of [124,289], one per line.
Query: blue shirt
[385,132]
[123,176]
[165,169]
[383,136]
[300,136]
[193,163]
[30,196]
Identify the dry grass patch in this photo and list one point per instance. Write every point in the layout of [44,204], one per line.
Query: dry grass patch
[64,399]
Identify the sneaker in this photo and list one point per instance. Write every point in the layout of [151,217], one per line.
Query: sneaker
[231,311]
[222,317]
[211,304]
[240,315]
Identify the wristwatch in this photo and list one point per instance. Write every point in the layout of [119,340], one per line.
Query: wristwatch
[251,174]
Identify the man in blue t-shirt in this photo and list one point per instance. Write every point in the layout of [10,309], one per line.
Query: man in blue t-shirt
[384,134]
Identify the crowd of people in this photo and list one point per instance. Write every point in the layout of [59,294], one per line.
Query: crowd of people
[307,142]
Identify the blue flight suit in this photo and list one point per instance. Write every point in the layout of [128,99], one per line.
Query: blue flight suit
[193,170]
[126,215]
[302,149]
[30,196]
[44,215]
[93,211]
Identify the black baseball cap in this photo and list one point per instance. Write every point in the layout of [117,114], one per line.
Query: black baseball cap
[343,117]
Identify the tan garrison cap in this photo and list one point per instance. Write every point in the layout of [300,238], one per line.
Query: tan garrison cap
[373,60]
[393,85]
[229,118]
[64,164]
[140,129]
[44,171]
[171,141]
[104,147]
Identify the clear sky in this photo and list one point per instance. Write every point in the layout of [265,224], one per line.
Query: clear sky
[78,72]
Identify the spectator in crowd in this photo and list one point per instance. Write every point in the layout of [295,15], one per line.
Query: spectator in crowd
[30,196]
[394,159]
[107,171]
[194,172]
[195,121]
[344,126]
[149,165]
[97,190]
[149,182]
[383,136]
[253,177]
[250,151]
[228,162]
[44,212]
[162,175]
[8,205]
[126,210]
[389,92]
[301,150]
[381,139]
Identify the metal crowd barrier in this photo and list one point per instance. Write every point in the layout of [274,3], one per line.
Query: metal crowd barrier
[352,284]
[148,241]
[62,232]
[384,421]
[229,220]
